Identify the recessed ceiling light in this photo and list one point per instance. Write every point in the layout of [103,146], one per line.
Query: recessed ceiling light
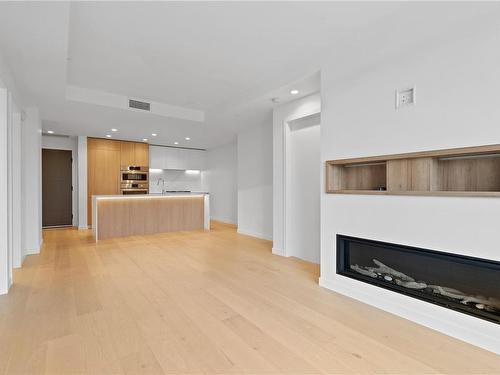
[108,135]
[187,138]
[294,92]
[50,131]
[114,130]
[144,139]
[154,134]
[176,143]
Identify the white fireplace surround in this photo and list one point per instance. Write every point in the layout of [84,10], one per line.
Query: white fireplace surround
[467,226]
[414,231]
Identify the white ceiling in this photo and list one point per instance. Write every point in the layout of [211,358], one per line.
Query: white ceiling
[225,59]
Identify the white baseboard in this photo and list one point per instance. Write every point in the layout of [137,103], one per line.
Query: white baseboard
[280,252]
[225,221]
[32,251]
[83,227]
[35,250]
[452,323]
[251,233]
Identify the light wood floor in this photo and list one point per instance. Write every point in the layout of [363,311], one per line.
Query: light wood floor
[202,302]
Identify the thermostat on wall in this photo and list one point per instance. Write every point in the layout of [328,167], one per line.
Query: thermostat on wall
[406,97]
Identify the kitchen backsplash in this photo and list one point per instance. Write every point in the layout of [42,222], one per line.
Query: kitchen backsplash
[168,179]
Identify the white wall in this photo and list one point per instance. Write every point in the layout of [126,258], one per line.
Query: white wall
[221,177]
[55,142]
[32,181]
[457,105]
[282,116]
[255,181]
[305,189]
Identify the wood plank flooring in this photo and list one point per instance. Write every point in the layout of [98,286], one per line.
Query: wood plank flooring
[202,302]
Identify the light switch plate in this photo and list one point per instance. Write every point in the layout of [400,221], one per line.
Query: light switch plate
[406,97]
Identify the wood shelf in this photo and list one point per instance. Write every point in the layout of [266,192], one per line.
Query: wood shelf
[472,171]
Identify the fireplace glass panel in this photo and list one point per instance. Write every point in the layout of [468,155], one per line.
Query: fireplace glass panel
[466,284]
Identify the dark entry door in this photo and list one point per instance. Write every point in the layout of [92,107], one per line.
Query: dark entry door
[57,189]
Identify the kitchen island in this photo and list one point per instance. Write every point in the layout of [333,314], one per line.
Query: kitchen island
[132,215]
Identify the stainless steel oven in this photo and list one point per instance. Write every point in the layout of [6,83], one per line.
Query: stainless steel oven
[134,188]
[134,180]
[134,174]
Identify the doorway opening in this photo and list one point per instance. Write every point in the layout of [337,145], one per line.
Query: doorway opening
[57,188]
[304,188]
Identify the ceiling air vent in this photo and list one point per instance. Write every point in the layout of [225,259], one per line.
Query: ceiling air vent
[139,105]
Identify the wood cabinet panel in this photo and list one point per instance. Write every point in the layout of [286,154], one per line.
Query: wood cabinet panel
[103,144]
[127,157]
[103,169]
[411,174]
[134,153]
[141,154]
[140,216]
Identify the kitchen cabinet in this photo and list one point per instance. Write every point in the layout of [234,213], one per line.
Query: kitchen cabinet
[173,158]
[134,153]
[103,169]
[141,152]
[127,151]
[156,157]
[176,158]
[105,157]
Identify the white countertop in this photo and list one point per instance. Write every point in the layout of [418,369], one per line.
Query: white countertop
[151,195]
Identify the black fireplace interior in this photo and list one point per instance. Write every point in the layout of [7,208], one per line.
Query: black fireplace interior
[466,284]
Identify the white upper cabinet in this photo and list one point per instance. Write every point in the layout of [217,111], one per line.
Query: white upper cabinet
[156,157]
[173,158]
[176,158]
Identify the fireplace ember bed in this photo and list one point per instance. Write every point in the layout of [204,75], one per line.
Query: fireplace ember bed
[461,283]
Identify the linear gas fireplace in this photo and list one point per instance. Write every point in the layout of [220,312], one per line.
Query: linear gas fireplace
[466,284]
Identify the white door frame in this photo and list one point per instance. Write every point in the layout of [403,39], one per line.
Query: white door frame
[5,256]
[17,206]
[282,116]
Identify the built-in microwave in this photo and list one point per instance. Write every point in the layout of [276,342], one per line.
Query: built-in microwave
[128,188]
[134,174]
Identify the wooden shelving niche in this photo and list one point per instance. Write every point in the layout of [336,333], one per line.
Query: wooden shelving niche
[470,171]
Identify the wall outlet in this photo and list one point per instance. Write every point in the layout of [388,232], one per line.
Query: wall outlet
[405,97]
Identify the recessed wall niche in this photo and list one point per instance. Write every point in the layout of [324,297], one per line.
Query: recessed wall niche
[471,171]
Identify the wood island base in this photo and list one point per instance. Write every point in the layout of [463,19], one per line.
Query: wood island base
[122,216]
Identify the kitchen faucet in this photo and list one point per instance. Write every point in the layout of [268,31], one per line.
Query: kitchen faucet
[163,184]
